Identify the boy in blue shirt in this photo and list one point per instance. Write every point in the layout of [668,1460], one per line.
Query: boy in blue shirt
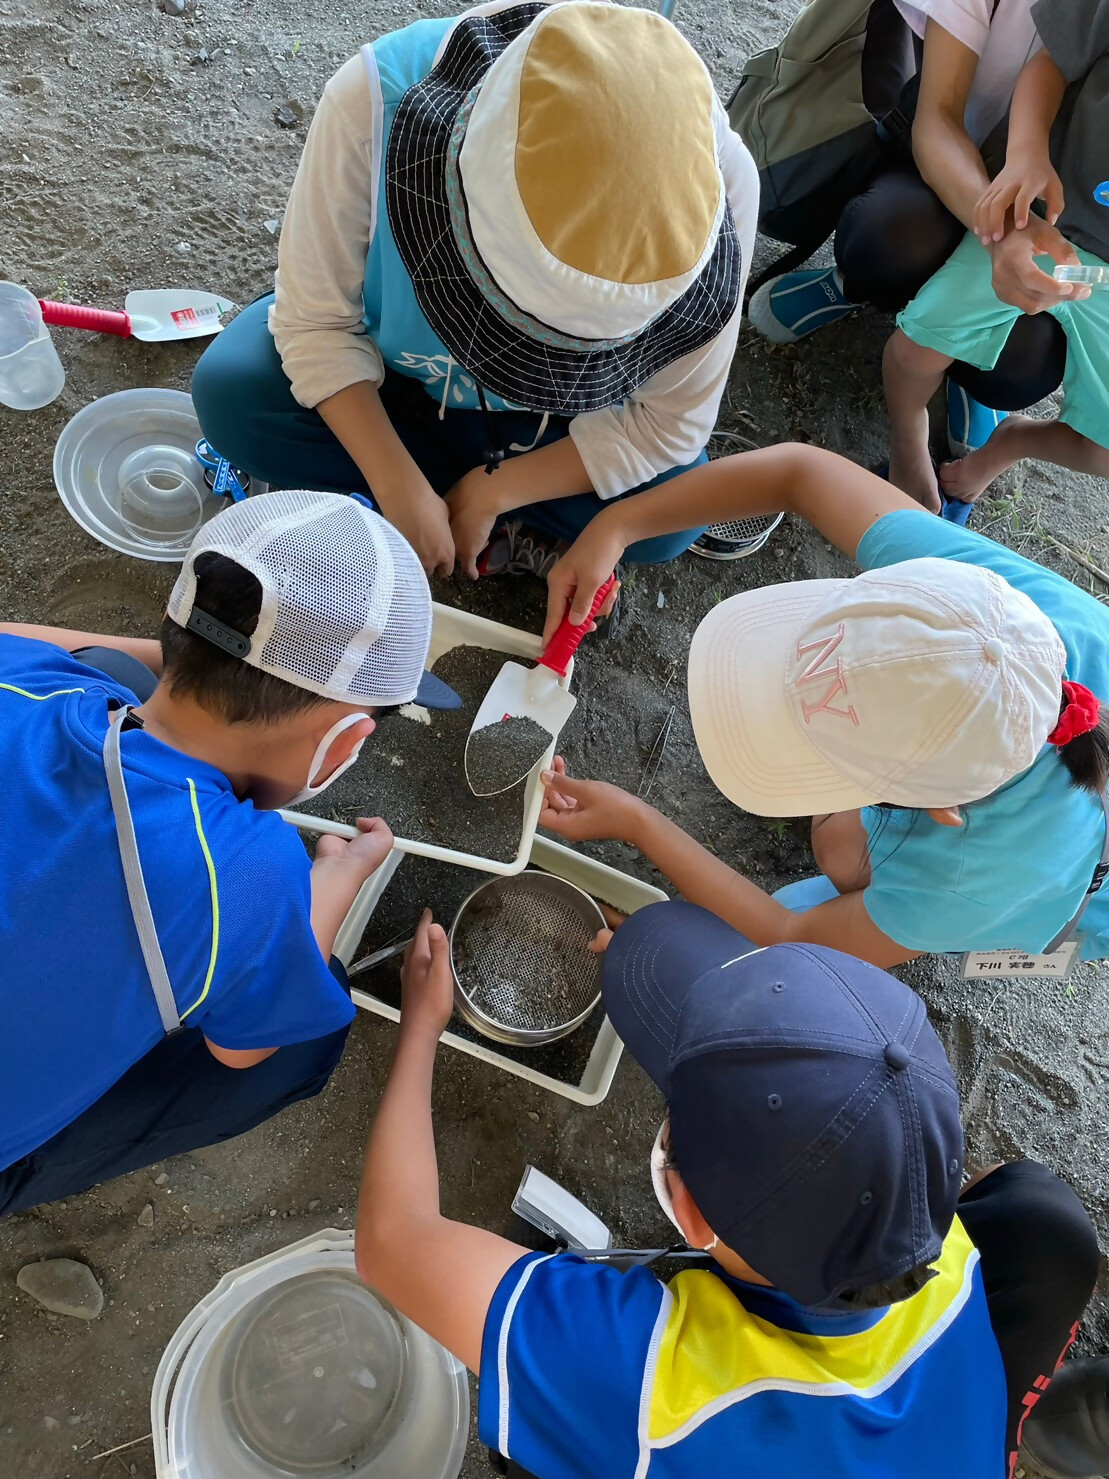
[165,939]
[857,1314]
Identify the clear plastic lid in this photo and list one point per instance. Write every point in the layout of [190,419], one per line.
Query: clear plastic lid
[126,469]
[1089,275]
[313,1375]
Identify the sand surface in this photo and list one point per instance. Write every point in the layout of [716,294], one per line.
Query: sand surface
[126,161]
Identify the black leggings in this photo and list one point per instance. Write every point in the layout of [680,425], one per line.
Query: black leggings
[892,237]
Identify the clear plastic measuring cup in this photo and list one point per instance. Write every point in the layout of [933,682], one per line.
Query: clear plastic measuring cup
[31,374]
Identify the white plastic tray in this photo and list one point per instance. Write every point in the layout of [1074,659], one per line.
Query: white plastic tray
[623,892]
[451,628]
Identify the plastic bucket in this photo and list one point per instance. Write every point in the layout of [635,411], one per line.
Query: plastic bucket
[31,374]
[291,1366]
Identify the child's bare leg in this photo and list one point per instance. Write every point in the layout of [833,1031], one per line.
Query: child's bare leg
[912,374]
[1016,438]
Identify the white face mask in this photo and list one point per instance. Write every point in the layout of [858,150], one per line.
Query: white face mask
[662,1188]
[309,791]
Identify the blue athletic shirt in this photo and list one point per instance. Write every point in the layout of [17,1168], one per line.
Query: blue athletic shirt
[1013,875]
[589,1373]
[228,886]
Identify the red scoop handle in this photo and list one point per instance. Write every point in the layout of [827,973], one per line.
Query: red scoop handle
[567,639]
[77,316]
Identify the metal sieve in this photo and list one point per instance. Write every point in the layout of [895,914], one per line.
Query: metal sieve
[737,538]
[523,970]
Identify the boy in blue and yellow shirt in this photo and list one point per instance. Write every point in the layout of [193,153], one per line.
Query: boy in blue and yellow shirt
[857,1313]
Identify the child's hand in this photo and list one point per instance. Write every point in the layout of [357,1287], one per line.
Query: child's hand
[583,811]
[473,512]
[1019,281]
[364,854]
[427,985]
[1022,181]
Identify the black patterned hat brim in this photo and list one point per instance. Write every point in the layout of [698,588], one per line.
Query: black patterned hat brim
[505,349]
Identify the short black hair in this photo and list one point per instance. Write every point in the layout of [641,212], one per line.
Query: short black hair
[889,1291]
[193,667]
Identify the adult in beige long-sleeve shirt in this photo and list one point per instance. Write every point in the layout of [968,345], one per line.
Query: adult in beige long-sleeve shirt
[338,411]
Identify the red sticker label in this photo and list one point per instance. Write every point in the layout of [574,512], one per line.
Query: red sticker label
[184,317]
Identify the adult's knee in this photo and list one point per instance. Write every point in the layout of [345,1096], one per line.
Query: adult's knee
[237,383]
[891,238]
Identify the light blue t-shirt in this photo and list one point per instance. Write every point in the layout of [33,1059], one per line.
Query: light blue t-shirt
[1014,874]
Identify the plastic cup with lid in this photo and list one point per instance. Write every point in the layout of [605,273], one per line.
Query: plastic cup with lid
[31,374]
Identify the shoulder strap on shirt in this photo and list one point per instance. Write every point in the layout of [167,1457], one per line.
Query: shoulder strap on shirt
[1101,872]
[133,877]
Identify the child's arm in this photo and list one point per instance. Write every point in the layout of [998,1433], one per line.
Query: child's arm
[441,1274]
[145,649]
[581,811]
[1028,174]
[338,873]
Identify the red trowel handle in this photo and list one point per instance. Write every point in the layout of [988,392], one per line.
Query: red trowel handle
[76,316]
[567,639]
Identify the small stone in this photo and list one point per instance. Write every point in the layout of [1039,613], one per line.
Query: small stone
[51,1424]
[146,1216]
[288,115]
[73,61]
[64,1286]
[248,71]
[272,225]
[273,1211]
[173,7]
[161,1178]
[661,602]
[182,248]
[313,1204]
[199,58]
[533,1115]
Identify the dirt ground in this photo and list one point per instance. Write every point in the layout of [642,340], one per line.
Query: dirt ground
[138,149]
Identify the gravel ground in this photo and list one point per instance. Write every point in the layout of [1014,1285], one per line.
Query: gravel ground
[140,149]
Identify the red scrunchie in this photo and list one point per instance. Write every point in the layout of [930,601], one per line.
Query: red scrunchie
[1080,715]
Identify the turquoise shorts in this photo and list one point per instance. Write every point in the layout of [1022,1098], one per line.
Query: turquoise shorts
[957,313]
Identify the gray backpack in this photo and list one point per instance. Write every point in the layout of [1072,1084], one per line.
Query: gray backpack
[820,111]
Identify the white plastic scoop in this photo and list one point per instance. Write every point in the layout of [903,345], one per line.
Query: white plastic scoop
[524,711]
[155,315]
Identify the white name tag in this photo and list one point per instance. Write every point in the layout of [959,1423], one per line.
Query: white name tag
[992,964]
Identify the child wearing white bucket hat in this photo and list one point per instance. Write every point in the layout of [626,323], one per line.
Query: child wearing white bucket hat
[939,716]
[510,273]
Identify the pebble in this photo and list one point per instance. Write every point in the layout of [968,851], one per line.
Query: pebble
[533,1116]
[313,1204]
[272,225]
[199,58]
[661,600]
[161,1178]
[51,1423]
[64,1286]
[146,1216]
[288,115]
[182,248]
[173,7]
[273,1211]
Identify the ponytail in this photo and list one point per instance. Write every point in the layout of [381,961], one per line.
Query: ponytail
[1082,738]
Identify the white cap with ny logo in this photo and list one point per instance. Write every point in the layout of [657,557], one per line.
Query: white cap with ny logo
[929,683]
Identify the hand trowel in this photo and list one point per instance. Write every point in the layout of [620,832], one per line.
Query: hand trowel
[153,314]
[524,711]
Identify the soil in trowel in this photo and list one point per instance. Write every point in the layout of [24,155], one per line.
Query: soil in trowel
[502,754]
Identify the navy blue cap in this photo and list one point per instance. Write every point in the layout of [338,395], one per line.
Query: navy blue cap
[433,693]
[814,1115]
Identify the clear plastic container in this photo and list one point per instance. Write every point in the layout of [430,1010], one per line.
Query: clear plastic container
[291,1366]
[31,374]
[127,471]
[1088,276]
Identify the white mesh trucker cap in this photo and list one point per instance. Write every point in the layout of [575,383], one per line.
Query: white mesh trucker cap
[928,683]
[346,608]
